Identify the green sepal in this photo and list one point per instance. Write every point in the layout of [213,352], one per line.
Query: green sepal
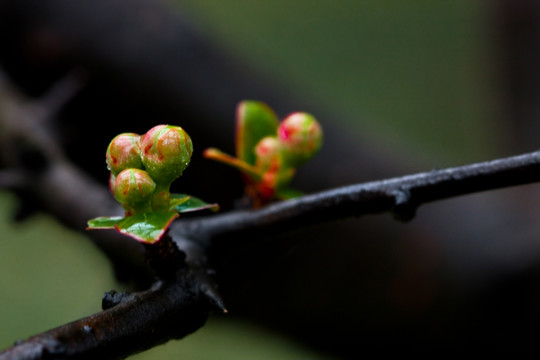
[147,227]
[254,121]
[191,203]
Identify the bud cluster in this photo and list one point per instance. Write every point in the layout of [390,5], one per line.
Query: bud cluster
[277,152]
[143,167]
[298,139]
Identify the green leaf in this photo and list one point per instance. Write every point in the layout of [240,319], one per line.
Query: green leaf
[192,204]
[254,121]
[104,222]
[177,199]
[147,227]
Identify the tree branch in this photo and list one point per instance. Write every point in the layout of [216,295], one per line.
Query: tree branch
[401,196]
[133,323]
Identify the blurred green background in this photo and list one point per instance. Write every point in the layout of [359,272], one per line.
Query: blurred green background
[416,73]
[419,73]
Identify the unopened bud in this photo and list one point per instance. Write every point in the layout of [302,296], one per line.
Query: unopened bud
[267,153]
[301,137]
[133,188]
[124,153]
[275,174]
[166,152]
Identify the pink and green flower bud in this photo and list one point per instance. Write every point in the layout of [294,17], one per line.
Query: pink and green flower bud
[133,188]
[267,153]
[124,153]
[301,138]
[275,173]
[166,152]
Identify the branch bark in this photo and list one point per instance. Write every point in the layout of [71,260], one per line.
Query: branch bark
[139,321]
[401,196]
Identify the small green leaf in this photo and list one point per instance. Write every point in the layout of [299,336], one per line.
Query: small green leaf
[148,227]
[254,121]
[192,204]
[104,222]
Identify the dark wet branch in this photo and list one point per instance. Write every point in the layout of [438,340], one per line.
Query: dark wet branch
[130,323]
[172,308]
[401,196]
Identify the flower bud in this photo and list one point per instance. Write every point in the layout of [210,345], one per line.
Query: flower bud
[275,174]
[133,188]
[124,153]
[166,152]
[301,137]
[267,153]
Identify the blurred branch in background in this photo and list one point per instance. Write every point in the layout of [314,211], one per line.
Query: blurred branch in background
[463,269]
[35,167]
